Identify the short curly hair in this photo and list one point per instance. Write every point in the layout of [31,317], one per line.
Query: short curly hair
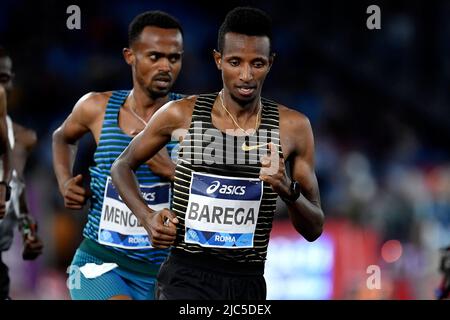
[156,18]
[245,20]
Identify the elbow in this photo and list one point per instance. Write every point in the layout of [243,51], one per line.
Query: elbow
[316,230]
[56,136]
[115,168]
[314,235]
[30,139]
[119,168]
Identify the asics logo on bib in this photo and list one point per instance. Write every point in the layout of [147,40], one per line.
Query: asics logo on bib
[225,189]
[118,226]
[148,196]
[213,187]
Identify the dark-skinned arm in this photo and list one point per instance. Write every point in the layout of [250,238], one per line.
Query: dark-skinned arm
[161,225]
[64,148]
[5,152]
[25,141]
[305,213]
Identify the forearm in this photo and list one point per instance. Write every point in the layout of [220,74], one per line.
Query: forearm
[4,145]
[125,181]
[162,165]
[63,158]
[6,161]
[5,150]
[23,205]
[307,217]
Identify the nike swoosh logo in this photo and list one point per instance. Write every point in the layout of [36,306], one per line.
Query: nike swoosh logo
[245,147]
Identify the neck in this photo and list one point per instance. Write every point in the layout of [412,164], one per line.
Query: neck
[240,109]
[143,103]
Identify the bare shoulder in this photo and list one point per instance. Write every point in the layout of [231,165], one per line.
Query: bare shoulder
[295,132]
[2,92]
[90,108]
[93,103]
[293,119]
[2,101]
[183,106]
[179,112]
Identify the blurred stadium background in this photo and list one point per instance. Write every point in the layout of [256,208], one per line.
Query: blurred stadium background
[378,101]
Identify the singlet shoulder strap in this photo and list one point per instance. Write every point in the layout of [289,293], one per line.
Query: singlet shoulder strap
[205,102]
[115,102]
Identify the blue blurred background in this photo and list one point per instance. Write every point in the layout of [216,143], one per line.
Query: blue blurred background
[378,101]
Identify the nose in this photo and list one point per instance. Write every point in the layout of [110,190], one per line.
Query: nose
[246,73]
[164,65]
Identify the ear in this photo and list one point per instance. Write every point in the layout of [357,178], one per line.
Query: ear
[128,55]
[218,59]
[271,59]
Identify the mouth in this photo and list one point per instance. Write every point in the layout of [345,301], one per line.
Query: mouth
[246,90]
[162,80]
[162,83]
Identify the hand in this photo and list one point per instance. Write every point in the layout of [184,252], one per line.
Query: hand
[162,165]
[161,227]
[32,245]
[74,194]
[32,248]
[274,173]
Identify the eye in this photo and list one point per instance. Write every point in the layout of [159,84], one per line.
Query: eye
[174,58]
[234,62]
[153,57]
[258,64]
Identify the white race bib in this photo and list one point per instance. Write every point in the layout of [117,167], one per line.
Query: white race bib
[119,227]
[222,212]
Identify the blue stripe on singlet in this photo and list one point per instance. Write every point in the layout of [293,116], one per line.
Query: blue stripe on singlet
[111,144]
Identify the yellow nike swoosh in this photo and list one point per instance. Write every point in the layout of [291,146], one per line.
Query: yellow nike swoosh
[245,147]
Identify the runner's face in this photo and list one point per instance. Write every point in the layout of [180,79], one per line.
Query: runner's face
[6,74]
[245,63]
[157,63]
